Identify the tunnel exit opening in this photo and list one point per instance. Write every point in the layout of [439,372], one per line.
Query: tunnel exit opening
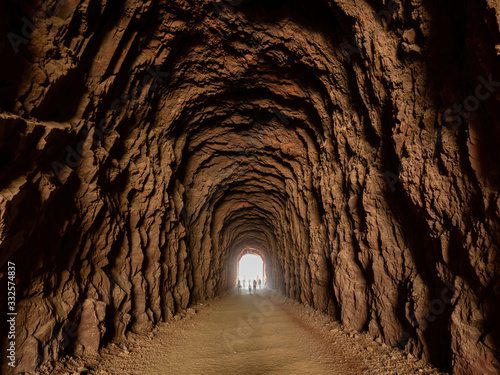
[251,267]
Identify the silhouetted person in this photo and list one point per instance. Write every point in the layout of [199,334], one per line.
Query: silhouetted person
[239,286]
[249,287]
[260,283]
[244,283]
[254,285]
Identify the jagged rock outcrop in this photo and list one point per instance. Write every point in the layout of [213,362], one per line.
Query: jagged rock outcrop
[144,145]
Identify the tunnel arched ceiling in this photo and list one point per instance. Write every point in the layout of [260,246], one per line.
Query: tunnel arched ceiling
[147,143]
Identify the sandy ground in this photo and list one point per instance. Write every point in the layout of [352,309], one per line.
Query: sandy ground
[256,333]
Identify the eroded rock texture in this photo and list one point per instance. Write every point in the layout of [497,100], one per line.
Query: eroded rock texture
[144,145]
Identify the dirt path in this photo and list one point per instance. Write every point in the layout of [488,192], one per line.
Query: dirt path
[247,334]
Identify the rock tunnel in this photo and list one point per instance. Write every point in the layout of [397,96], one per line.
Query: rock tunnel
[353,145]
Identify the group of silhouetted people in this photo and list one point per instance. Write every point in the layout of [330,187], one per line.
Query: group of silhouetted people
[249,285]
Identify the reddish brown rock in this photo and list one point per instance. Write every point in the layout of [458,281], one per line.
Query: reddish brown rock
[90,327]
[145,145]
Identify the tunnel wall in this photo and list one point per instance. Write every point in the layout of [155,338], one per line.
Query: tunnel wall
[143,143]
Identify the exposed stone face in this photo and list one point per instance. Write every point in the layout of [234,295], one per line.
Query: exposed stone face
[144,145]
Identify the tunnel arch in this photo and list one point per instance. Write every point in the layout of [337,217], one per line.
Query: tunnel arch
[256,252]
[277,130]
[271,271]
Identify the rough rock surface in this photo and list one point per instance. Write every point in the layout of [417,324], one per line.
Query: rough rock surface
[290,339]
[145,145]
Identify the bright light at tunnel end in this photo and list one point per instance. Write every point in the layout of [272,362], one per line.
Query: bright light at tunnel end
[251,267]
